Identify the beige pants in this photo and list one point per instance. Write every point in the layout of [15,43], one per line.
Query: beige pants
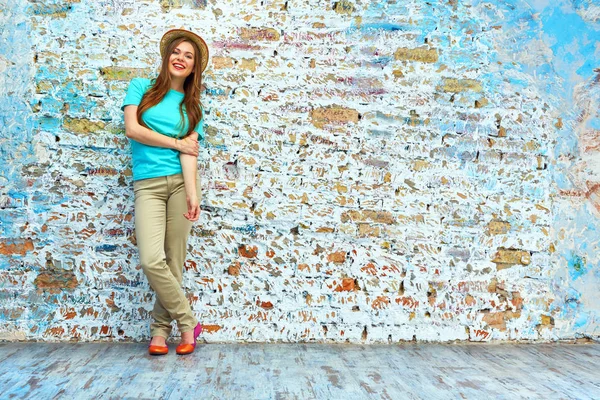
[161,232]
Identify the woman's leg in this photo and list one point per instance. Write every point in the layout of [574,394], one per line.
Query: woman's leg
[177,233]
[151,198]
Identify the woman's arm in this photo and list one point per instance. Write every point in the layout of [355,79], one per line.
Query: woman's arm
[189,167]
[141,134]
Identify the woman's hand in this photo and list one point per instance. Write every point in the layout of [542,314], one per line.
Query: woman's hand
[188,145]
[193,212]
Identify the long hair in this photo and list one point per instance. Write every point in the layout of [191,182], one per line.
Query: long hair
[191,88]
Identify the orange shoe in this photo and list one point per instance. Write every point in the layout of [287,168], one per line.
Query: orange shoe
[155,350]
[187,348]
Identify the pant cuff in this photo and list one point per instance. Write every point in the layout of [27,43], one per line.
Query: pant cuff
[160,333]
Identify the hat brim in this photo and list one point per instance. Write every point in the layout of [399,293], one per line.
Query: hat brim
[173,34]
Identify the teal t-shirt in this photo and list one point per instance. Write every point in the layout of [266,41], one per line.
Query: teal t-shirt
[164,118]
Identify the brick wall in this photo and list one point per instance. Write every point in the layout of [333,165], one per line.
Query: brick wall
[372,171]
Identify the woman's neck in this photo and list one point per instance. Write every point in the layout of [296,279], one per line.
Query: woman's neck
[177,84]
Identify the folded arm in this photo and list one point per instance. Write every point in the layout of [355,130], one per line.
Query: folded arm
[189,167]
[141,134]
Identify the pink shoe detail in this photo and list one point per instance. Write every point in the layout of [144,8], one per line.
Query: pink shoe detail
[188,348]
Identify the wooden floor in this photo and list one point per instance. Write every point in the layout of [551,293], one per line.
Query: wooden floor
[300,371]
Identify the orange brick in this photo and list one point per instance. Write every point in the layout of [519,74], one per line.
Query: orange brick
[380,302]
[247,251]
[16,247]
[498,320]
[211,328]
[347,285]
[56,280]
[267,305]
[234,269]
[470,300]
[55,331]
[338,257]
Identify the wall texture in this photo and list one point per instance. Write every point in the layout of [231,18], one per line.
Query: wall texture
[373,171]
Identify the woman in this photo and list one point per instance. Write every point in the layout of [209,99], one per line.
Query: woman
[163,120]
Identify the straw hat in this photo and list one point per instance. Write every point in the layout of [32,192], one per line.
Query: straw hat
[178,33]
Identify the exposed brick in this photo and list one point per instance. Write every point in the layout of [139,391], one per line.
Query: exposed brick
[453,85]
[517,301]
[470,300]
[59,10]
[82,125]
[15,247]
[382,217]
[124,74]
[325,229]
[261,34]
[219,62]
[249,64]
[497,227]
[211,328]
[267,305]
[497,320]
[347,285]
[12,313]
[420,54]
[56,331]
[547,320]
[369,269]
[339,257]
[380,303]
[505,258]
[420,165]
[168,5]
[334,115]
[56,280]
[368,230]
[234,269]
[408,302]
[481,102]
[248,251]
[343,7]
[43,87]
[398,73]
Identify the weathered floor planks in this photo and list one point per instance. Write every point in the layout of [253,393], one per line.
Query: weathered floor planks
[300,371]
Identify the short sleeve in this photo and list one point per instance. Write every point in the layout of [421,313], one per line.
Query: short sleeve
[200,126]
[135,92]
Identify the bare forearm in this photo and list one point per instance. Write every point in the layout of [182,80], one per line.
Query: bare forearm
[149,137]
[189,167]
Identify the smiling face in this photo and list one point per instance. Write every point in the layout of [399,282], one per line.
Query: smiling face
[181,60]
